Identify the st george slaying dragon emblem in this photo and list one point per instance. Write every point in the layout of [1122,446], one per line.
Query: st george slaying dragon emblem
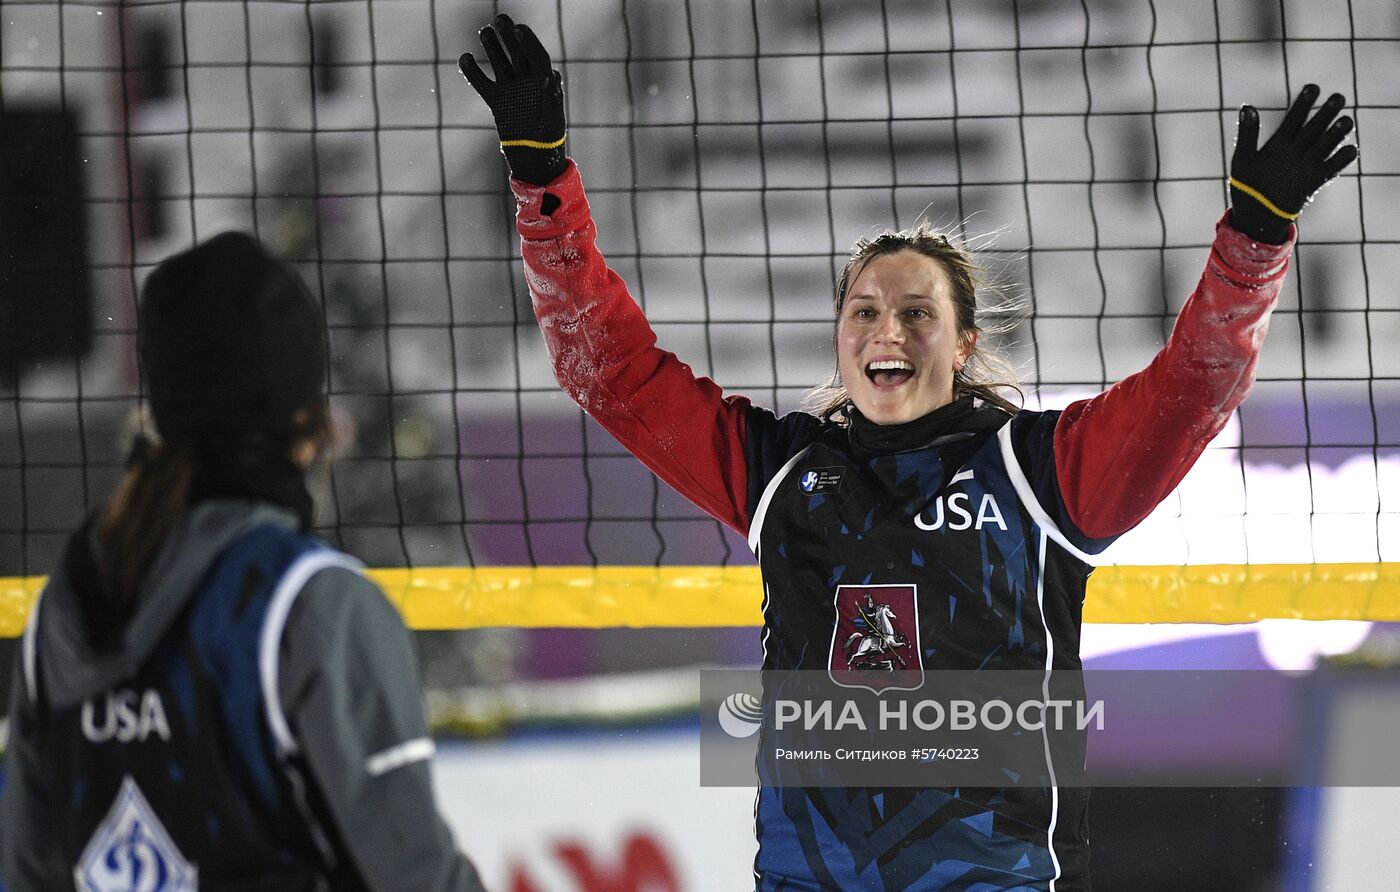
[876,641]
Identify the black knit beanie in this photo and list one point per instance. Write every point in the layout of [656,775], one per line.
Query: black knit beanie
[231,341]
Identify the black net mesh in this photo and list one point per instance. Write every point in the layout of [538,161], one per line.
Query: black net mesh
[733,151]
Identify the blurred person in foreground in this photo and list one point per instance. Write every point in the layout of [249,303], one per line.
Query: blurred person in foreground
[208,696]
[870,563]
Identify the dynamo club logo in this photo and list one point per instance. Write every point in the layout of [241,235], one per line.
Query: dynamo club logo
[875,644]
[130,851]
[820,480]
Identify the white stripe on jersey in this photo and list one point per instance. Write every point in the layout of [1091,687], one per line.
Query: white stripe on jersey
[1027,495]
[756,524]
[1044,546]
[275,622]
[29,655]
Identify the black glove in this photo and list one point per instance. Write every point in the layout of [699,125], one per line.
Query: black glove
[526,99]
[1269,186]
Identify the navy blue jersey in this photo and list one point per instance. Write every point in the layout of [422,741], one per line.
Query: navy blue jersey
[185,773]
[951,554]
[972,550]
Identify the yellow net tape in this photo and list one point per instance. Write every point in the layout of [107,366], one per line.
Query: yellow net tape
[639,597]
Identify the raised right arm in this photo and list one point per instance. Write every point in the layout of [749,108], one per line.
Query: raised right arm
[605,356]
[716,451]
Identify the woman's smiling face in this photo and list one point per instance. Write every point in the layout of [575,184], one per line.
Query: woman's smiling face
[897,342]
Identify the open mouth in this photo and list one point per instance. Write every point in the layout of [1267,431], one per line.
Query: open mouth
[889,372]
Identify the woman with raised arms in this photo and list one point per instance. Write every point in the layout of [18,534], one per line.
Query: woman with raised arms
[920,488]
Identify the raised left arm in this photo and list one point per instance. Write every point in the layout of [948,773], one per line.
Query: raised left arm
[1121,453]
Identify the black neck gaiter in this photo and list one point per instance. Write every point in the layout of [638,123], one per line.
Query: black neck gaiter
[870,439]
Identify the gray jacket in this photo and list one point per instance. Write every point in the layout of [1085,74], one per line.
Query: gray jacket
[348,685]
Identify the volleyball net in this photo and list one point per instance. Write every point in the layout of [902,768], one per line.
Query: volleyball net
[734,150]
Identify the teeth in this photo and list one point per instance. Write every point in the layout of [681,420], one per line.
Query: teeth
[891,365]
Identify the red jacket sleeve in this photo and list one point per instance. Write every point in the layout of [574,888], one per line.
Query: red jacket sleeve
[605,356]
[1121,453]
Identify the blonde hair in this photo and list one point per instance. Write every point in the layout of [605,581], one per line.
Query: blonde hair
[985,373]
